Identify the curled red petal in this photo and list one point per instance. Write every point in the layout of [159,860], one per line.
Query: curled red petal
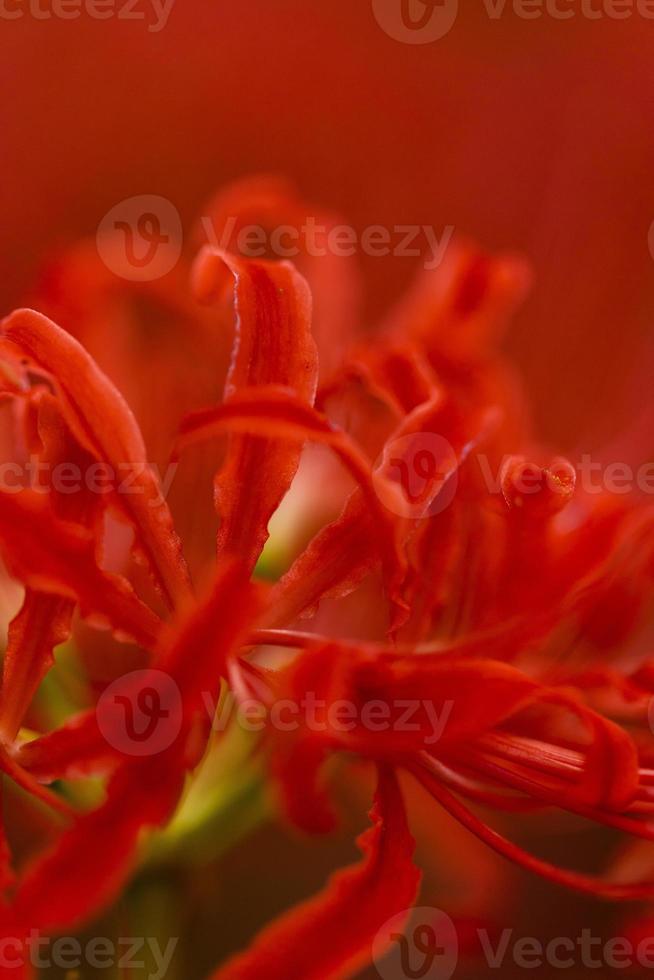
[44,621]
[273,345]
[276,412]
[461,306]
[92,859]
[342,553]
[397,373]
[58,558]
[272,205]
[102,422]
[586,884]
[75,750]
[331,935]
[331,566]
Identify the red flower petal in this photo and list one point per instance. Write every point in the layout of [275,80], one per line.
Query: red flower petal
[90,861]
[463,305]
[43,622]
[102,422]
[75,750]
[278,413]
[587,884]
[342,553]
[331,935]
[273,346]
[57,557]
[272,204]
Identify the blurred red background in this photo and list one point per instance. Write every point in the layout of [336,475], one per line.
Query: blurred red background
[533,135]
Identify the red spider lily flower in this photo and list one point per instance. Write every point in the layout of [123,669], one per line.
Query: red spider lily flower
[501,730]
[489,566]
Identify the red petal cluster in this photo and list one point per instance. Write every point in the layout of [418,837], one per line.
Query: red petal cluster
[495,597]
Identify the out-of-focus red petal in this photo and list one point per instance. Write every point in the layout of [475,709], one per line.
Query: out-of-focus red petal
[276,412]
[610,772]
[31,785]
[58,558]
[398,374]
[102,422]
[341,554]
[586,884]
[272,205]
[461,306]
[43,622]
[471,696]
[198,653]
[6,873]
[78,748]
[75,750]
[90,861]
[331,935]
[331,566]
[273,345]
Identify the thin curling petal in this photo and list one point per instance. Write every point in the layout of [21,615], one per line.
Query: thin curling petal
[273,345]
[91,861]
[102,422]
[57,557]
[345,551]
[331,566]
[270,203]
[43,622]
[462,306]
[74,751]
[79,748]
[586,884]
[330,936]
[278,413]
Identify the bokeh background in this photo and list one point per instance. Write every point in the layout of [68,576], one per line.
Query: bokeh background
[535,136]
